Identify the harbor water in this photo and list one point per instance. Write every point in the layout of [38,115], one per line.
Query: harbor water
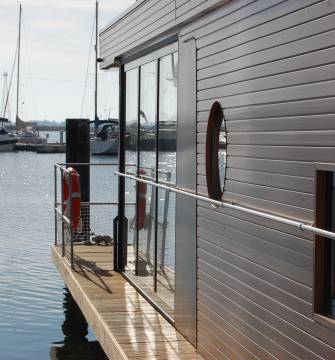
[38,319]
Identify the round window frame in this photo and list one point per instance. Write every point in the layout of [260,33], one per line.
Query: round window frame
[214,127]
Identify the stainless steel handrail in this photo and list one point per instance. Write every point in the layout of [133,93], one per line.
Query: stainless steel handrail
[61,165]
[230,205]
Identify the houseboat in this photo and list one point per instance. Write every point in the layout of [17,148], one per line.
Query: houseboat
[231,239]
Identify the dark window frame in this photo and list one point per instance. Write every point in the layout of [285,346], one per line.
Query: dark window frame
[324,174]
[121,245]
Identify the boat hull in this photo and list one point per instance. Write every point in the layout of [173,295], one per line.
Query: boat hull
[6,146]
[104,147]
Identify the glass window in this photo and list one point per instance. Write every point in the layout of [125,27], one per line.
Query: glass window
[151,125]
[216,152]
[147,167]
[167,138]
[131,139]
[324,289]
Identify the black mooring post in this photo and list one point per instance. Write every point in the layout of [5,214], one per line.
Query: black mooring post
[78,151]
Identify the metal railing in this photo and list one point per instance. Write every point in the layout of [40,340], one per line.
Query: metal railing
[231,205]
[96,215]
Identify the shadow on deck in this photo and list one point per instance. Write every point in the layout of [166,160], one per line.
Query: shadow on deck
[125,324]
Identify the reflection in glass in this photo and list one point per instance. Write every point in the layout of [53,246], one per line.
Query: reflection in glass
[151,231]
[131,139]
[147,167]
[167,172]
[222,154]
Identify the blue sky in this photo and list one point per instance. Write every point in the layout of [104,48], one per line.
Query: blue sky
[55,50]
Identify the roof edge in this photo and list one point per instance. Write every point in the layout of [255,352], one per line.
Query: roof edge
[118,18]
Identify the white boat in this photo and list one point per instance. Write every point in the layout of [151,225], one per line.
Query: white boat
[7,140]
[105,136]
[105,139]
[30,135]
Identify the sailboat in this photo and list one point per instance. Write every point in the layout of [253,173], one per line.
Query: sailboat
[7,140]
[27,132]
[105,137]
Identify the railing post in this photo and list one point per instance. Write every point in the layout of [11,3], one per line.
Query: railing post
[164,225]
[71,221]
[62,205]
[55,202]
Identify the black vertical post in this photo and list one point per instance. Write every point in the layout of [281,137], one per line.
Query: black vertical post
[120,247]
[78,151]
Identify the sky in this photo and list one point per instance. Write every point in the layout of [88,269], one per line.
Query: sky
[55,46]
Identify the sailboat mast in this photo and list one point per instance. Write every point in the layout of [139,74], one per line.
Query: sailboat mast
[96,67]
[18,68]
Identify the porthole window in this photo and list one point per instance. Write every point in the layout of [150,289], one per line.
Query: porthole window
[216,152]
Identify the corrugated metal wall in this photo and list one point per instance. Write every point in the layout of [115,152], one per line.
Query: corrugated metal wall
[271,64]
[147,20]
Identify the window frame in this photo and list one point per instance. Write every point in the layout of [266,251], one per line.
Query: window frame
[322,220]
[139,63]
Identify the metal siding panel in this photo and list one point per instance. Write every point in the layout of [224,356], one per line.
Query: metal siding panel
[284,51]
[218,325]
[256,290]
[244,320]
[298,342]
[255,29]
[188,6]
[300,77]
[293,183]
[221,220]
[281,167]
[129,19]
[256,255]
[275,82]
[141,25]
[216,19]
[185,301]
[272,68]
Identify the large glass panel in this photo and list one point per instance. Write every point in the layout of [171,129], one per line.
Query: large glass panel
[167,173]
[131,138]
[147,168]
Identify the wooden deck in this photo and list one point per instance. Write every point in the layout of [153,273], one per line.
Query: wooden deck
[125,324]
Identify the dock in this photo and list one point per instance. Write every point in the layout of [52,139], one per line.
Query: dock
[51,148]
[125,323]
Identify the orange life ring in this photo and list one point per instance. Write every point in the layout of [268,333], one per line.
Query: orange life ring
[75,196]
[142,202]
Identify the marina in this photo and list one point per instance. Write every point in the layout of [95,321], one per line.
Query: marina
[186,208]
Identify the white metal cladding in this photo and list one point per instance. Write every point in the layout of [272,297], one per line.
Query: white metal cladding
[271,65]
[145,21]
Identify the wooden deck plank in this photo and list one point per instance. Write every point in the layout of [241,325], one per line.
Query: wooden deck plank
[125,324]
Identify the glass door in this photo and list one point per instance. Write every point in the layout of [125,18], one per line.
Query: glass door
[150,148]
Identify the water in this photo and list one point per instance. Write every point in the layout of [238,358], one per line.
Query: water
[38,319]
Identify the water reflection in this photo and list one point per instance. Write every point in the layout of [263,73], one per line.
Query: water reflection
[75,329]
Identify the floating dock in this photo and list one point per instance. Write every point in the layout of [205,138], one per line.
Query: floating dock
[126,325]
[52,148]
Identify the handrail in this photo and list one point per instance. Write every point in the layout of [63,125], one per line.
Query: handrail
[60,165]
[230,205]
